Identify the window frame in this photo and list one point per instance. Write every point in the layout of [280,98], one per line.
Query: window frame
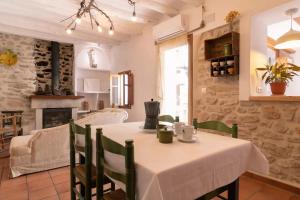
[130,86]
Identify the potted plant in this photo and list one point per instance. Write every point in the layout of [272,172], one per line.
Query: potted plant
[279,75]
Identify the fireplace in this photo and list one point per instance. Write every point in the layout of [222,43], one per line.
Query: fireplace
[56,116]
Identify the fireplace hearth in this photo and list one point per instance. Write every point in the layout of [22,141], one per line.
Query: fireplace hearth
[56,116]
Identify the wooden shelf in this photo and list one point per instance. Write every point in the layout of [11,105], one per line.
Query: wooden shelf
[93,69]
[83,111]
[275,98]
[215,52]
[94,92]
[55,97]
[214,48]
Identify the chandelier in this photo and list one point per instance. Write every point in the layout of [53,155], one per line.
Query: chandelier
[89,8]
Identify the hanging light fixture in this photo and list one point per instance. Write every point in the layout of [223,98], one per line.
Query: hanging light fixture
[133,17]
[290,39]
[88,7]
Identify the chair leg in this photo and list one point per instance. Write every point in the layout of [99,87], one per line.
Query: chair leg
[73,185]
[233,190]
[112,186]
[82,189]
[88,193]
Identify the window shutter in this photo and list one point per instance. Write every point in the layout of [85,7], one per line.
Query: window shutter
[130,89]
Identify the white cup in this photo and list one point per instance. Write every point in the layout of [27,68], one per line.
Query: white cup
[178,127]
[188,132]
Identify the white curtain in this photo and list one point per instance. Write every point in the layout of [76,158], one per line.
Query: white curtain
[162,48]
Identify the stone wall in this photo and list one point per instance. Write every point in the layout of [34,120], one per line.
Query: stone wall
[33,68]
[274,127]
[42,57]
[18,81]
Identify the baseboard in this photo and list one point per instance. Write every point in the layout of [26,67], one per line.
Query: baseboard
[275,182]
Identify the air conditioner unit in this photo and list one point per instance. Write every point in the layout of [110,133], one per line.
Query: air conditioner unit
[169,28]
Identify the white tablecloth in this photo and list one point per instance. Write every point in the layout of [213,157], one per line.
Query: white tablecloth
[182,171]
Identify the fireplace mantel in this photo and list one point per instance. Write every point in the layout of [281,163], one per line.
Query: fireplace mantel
[55,97]
[40,102]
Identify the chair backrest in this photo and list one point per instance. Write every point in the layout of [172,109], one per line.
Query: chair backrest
[127,177]
[85,149]
[167,118]
[217,126]
[6,127]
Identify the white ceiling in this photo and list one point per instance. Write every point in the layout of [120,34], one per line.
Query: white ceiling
[41,18]
[276,30]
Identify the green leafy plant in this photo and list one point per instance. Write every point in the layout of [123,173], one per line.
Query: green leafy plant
[279,72]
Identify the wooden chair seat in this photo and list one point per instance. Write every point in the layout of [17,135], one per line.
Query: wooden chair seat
[115,195]
[85,172]
[80,172]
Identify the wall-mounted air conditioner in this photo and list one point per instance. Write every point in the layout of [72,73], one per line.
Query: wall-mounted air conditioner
[169,28]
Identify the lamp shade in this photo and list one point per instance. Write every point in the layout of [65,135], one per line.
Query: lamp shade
[289,40]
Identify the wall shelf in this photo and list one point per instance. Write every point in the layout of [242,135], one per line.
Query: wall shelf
[94,92]
[275,98]
[218,55]
[92,69]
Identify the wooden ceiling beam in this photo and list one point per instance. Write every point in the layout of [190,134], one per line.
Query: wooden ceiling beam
[158,7]
[194,2]
[54,17]
[41,27]
[123,13]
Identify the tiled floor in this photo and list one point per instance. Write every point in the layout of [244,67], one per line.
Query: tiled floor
[54,185]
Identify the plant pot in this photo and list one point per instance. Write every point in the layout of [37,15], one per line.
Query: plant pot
[278,88]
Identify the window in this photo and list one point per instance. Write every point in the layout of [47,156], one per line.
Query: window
[174,78]
[122,89]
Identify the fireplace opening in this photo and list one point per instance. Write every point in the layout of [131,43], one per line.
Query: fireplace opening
[56,116]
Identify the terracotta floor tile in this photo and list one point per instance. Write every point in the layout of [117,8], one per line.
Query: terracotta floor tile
[65,196]
[13,182]
[39,184]
[55,197]
[63,187]
[21,188]
[295,197]
[59,171]
[38,176]
[248,187]
[42,193]
[61,178]
[271,193]
[5,175]
[13,195]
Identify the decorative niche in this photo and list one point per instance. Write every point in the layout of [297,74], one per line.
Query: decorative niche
[223,54]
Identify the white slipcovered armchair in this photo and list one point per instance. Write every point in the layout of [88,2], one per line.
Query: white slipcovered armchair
[49,148]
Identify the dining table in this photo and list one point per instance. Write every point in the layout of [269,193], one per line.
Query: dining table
[178,170]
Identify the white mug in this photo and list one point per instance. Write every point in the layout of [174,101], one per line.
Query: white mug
[178,127]
[188,132]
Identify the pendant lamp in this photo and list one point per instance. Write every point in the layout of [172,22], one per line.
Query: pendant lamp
[290,39]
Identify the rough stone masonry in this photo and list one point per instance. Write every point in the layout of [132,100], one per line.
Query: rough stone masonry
[274,127]
[18,82]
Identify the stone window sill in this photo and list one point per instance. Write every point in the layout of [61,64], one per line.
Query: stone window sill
[278,98]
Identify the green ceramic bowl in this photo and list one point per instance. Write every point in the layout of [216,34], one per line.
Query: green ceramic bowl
[165,136]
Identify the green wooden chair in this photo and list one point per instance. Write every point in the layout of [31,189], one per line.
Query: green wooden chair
[217,126]
[165,118]
[221,127]
[128,177]
[85,172]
